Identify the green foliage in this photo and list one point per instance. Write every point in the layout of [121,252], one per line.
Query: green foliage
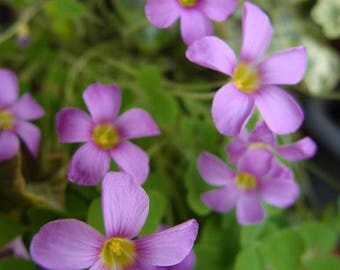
[95,215]
[157,210]
[15,263]
[9,230]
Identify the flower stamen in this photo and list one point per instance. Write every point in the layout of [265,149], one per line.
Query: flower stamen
[246,78]
[119,252]
[259,145]
[188,3]
[105,136]
[7,120]
[246,181]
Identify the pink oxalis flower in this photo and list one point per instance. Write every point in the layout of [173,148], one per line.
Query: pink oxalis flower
[14,116]
[105,135]
[71,244]
[194,15]
[263,138]
[265,179]
[252,78]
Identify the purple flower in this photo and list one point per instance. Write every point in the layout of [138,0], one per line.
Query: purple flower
[15,248]
[262,138]
[194,15]
[258,177]
[14,116]
[252,78]
[105,136]
[70,244]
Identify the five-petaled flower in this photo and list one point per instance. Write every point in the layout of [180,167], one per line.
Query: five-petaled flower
[252,79]
[263,138]
[70,244]
[194,15]
[258,176]
[105,135]
[14,116]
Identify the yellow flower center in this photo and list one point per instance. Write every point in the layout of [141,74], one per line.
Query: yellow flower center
[259,145]
[118,252]
[7,120]
[188,3]
[245,181]
[105,136]
[246,78]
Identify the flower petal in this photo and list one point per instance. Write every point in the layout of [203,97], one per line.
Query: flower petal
[125,205]
[262,133]
[162,14]
[88,165]
[26,108]
[168,247]
[280,192]
[31,136]
[66,244]
[73,125]
[103,101]
[257,33]
[221,200]
[132,160]
[286,67]
[218,10]
[16,248]
[280,111]
[213,170]
[230,109]
[9,145]
[256,162]
[235,149]
[100,265]
[136,123]
[194,26]
[213,53]
[187,264]
[302,149]
[249,209]
[8,88]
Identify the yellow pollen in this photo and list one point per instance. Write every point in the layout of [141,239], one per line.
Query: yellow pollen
[7,120]
[105,136]
[188,3]
[259,145]
[118,252]
[245,181]
[246,78]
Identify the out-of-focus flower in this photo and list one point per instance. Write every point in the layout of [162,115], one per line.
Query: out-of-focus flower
[72,244]
[15,248]
[105,135]
[258,177]
[253,78]
[14,116]
[194,15]
[23,35]
[263,138]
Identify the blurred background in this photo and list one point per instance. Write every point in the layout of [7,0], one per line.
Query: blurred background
[58,47]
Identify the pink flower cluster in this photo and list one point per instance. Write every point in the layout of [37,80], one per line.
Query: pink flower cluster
[259,174]
[253,85]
